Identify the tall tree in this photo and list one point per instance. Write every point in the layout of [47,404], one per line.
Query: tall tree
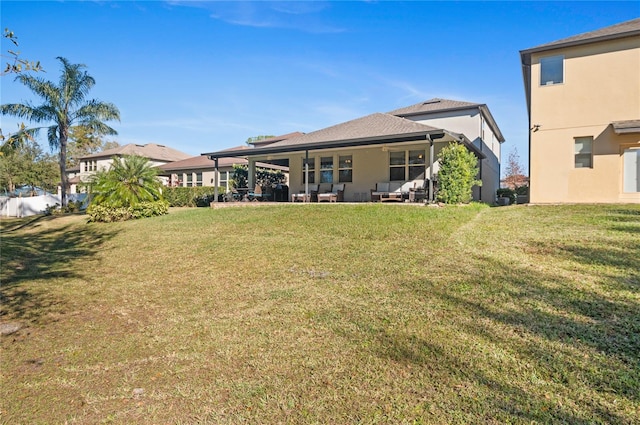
[83,142]
[65,106]
[16,65]
[27,165]
[514,172]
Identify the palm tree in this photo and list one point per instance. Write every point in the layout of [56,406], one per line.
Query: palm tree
[65,107]
[130,180]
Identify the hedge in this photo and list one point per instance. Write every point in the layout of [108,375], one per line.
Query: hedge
[198,196]
[106,214]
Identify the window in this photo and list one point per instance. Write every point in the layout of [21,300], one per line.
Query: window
[583,157]
[397,166]
[223,180]
[631,159]
[189,179]
[198,179]
[416,165]
[345,169]
[405,164]
[326,169]
[551,70]
[312,171]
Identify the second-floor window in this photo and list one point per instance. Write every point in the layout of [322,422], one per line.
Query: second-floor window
[551,70]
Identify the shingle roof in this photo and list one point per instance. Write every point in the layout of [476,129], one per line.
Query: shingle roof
[628,126]
[376,126]
[274,139]
[623,29]
[150,150]
[433,105]
[443,105]
[200,161]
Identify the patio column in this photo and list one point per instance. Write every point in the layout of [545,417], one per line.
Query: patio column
[251,177]
[431,153]
[306,176]
[216,180]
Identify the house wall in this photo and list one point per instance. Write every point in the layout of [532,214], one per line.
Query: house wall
[472,124]
[370,166]
[601,84]
[208,177]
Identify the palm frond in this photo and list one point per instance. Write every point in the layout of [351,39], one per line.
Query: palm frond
[97,109]
[43,88]
[17,110]
[52,136]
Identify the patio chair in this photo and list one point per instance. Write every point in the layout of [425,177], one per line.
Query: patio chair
[313,195]
[336,194]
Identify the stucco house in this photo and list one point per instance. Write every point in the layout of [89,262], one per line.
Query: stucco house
[156,154]
[400,147]
[583,100]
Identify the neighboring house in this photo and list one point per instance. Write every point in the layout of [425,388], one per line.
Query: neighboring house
[385,148]
[201,170]
[583,99]
[156,154]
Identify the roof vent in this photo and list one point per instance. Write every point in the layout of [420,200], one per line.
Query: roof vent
[429,102]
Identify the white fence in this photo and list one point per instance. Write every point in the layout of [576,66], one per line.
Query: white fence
[24,207]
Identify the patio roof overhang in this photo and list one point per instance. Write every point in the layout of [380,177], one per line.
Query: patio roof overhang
[427,136]
[626,127]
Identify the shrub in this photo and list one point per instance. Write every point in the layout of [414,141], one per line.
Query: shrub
[199,196]
[507,193]
[108,214]
[457,175]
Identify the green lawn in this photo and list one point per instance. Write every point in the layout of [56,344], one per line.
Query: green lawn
[324,314]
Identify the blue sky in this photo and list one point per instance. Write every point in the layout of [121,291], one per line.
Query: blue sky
[202,76]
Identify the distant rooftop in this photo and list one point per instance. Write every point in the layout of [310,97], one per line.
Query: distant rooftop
[151,151]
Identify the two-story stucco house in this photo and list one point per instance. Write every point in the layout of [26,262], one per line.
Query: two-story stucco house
[156,154]
[583,99]
[398,147]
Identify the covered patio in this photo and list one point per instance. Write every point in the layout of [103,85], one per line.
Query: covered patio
[359,154]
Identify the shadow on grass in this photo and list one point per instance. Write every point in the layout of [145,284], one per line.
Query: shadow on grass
[42,256]
[579,336]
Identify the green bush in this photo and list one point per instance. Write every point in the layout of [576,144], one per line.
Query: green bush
[507,193]
[457,175]
[107,214]
[199,196]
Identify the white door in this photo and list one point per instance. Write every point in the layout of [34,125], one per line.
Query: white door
[631,159]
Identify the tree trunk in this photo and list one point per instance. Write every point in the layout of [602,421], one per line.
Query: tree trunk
[64,181]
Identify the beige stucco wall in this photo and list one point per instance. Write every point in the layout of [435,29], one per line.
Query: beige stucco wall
[370,165]
[601,85]
[472,124]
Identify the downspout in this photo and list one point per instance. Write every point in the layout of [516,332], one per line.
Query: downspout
[215,180]
[431,153]
[479,160]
